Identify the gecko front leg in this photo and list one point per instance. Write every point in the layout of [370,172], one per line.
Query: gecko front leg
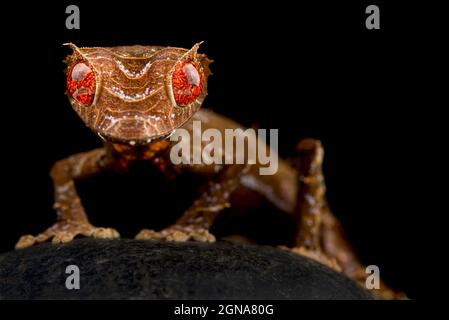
[71,217]
[195,223]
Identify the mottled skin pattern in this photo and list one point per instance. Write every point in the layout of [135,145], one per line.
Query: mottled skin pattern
[135,109]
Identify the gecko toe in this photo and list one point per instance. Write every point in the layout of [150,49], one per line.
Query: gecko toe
[63,232]
[177,234]
[317,256]
[63,237]
[105,233]
[147,234]
[25,241]
[204,236]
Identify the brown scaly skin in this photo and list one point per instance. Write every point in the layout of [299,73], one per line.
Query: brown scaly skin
[319,234]
[136,129]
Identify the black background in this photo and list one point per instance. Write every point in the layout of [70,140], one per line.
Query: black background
[310,70]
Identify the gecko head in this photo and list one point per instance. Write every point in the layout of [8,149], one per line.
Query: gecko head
[136,94]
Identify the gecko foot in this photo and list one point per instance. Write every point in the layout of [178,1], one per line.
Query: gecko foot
[177,233]
[62,232]
[316,255]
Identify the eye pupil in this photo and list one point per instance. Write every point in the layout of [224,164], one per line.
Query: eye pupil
[187,83]
[81,83]
[193,77]
[80,71]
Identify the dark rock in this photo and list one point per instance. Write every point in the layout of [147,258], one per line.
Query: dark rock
[131,269]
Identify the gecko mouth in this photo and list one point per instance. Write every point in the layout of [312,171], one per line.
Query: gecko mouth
[135,131]
[132,128]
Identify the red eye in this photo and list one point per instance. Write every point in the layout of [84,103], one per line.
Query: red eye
[81,83]
[187,83]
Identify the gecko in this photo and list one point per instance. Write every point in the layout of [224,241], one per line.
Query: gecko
[134,98]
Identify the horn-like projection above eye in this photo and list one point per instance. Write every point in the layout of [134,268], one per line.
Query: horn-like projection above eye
[187,82]
[81,83]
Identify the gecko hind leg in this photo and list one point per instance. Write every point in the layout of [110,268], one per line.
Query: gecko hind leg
[312,204]
[195,223]
[320,235]
[72,220]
